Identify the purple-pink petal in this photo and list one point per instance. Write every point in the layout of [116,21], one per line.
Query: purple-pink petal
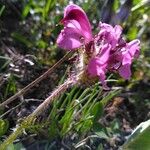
[126,58]
[104,53]
[107,51]
[74,12]
[75,18]
[109,34]
[125,71]
[134,48]
[117,31]
[69,39]
[98,65]
[96,69]
[130,51]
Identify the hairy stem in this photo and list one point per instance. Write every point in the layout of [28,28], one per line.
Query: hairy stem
[42,107]
[36,81]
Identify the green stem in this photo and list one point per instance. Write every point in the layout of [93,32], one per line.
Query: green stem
[28,121]
[140,4]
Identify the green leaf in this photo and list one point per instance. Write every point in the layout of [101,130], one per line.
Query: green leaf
[11,86]
[22,39]
[48,6]
[26,11]
[11,147]
[100,131]
[41,44]
[2,9]
[141,4]
[53,129]
[135,2]
[109,96]
[116,5]
[4,124]
[66,121]
[17,146]
[132,34]
[100,147]
[85,124]
[97,111]
[140,138]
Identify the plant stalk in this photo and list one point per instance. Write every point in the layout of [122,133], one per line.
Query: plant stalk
[36,81]
[42,107]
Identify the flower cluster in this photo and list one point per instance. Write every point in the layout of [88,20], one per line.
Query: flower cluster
[108,51]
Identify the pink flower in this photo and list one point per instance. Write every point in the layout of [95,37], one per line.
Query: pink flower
[106,52]
[77,29]
[109,34]
[128,53]
[97,65]
[105,44]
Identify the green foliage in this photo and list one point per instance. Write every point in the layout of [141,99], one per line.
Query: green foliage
[97,111]
[4,61]
[79,109]
[22,39]
[39,7]
[100,131]
[4,124]
[140,138]
[17,146]
[11,86]
[2,8]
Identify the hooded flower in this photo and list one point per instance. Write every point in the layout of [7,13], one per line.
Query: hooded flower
[77,29]
[105,52]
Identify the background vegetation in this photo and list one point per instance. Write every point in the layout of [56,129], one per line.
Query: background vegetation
[84,117]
